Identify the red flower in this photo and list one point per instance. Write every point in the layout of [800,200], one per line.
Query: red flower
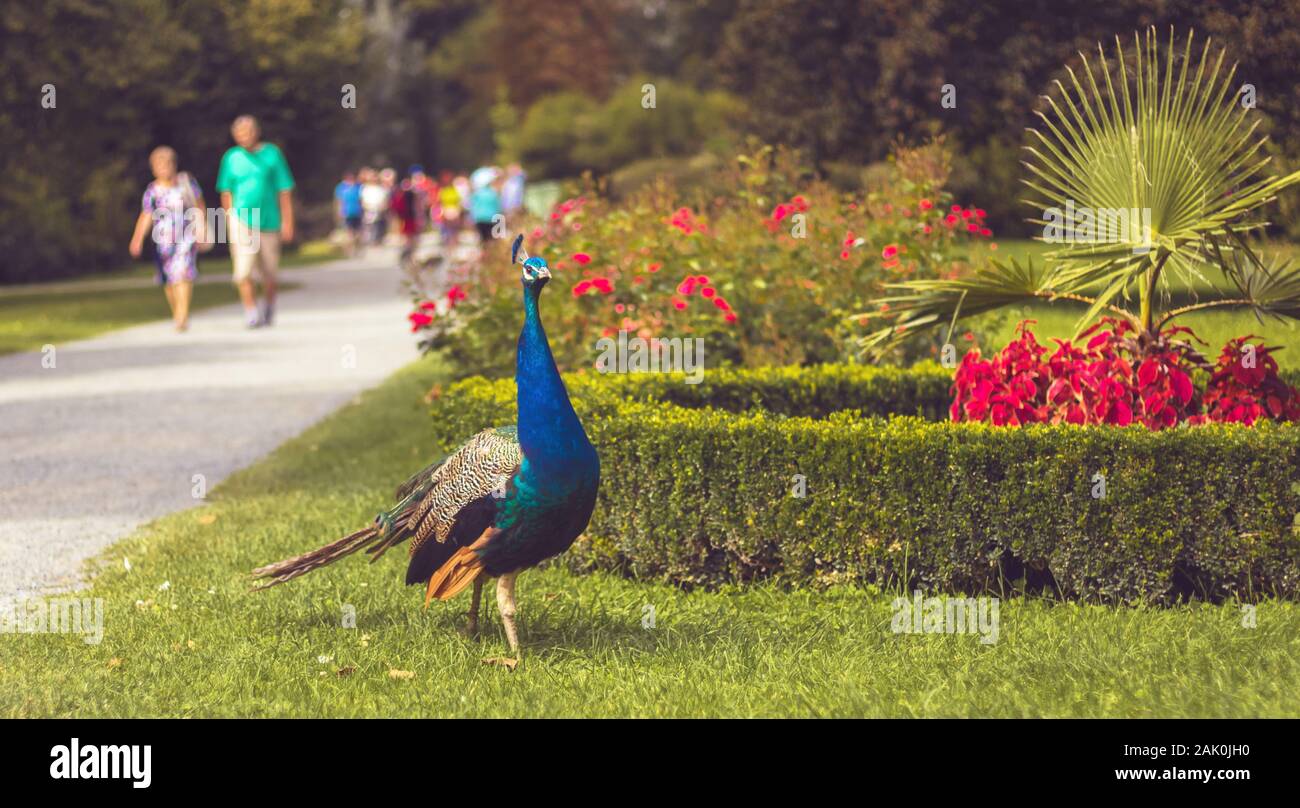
[926,204]
[685,221]
[581,258]
[456,294]
[418,320]
[890,251]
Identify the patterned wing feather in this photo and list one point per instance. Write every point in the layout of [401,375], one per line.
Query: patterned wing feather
[483,465]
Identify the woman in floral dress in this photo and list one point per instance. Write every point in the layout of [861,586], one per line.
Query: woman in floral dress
[173,211]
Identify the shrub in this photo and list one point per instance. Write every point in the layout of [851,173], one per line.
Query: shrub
[698,485]
[765,266]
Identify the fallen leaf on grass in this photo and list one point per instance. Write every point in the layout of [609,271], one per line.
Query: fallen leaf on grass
[505,662]
[207,518]
[396,674]
[346,670]
[114,662]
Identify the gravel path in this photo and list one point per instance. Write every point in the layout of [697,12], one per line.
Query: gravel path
[112,436]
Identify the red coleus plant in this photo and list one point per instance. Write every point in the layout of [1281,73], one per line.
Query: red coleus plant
[1245,387]
[1118,379]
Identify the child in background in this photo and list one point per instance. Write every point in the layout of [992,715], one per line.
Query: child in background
[348,195]
[172,208]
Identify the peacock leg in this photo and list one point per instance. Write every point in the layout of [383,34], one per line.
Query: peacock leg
[471,628]
[506,605]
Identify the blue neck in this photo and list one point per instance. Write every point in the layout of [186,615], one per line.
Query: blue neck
[549,431]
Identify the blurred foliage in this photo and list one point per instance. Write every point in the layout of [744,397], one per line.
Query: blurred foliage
[454,83]
[127,75]
[841,77]
[644,118]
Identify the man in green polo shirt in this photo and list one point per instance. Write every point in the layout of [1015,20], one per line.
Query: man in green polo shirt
[256,191]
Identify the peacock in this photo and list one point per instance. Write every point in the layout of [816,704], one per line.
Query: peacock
[509,498]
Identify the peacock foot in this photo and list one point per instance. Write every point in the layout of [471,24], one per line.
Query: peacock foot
[470,629]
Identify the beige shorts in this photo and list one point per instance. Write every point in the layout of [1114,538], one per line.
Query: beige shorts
[253,250]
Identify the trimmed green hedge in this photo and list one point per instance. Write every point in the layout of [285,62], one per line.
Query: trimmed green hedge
[703,495]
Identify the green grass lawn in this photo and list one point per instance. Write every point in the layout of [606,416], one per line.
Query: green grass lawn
[183,636]
[30,321]
[35,318]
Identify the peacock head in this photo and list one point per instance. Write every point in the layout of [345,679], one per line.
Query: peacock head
[535,271]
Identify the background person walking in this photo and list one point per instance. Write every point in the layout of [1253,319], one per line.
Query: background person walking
[256,191]
[374,205]
[173,211]
[348,196]
[485,203]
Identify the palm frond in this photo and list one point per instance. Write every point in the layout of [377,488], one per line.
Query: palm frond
[1140,158]
[921,305]
[1268,287]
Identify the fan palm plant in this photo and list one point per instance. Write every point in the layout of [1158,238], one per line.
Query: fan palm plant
[1146,168]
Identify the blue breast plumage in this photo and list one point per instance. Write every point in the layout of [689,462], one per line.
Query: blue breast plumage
[550,499]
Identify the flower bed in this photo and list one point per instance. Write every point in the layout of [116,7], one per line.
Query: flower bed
[700,488]
[766,267]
